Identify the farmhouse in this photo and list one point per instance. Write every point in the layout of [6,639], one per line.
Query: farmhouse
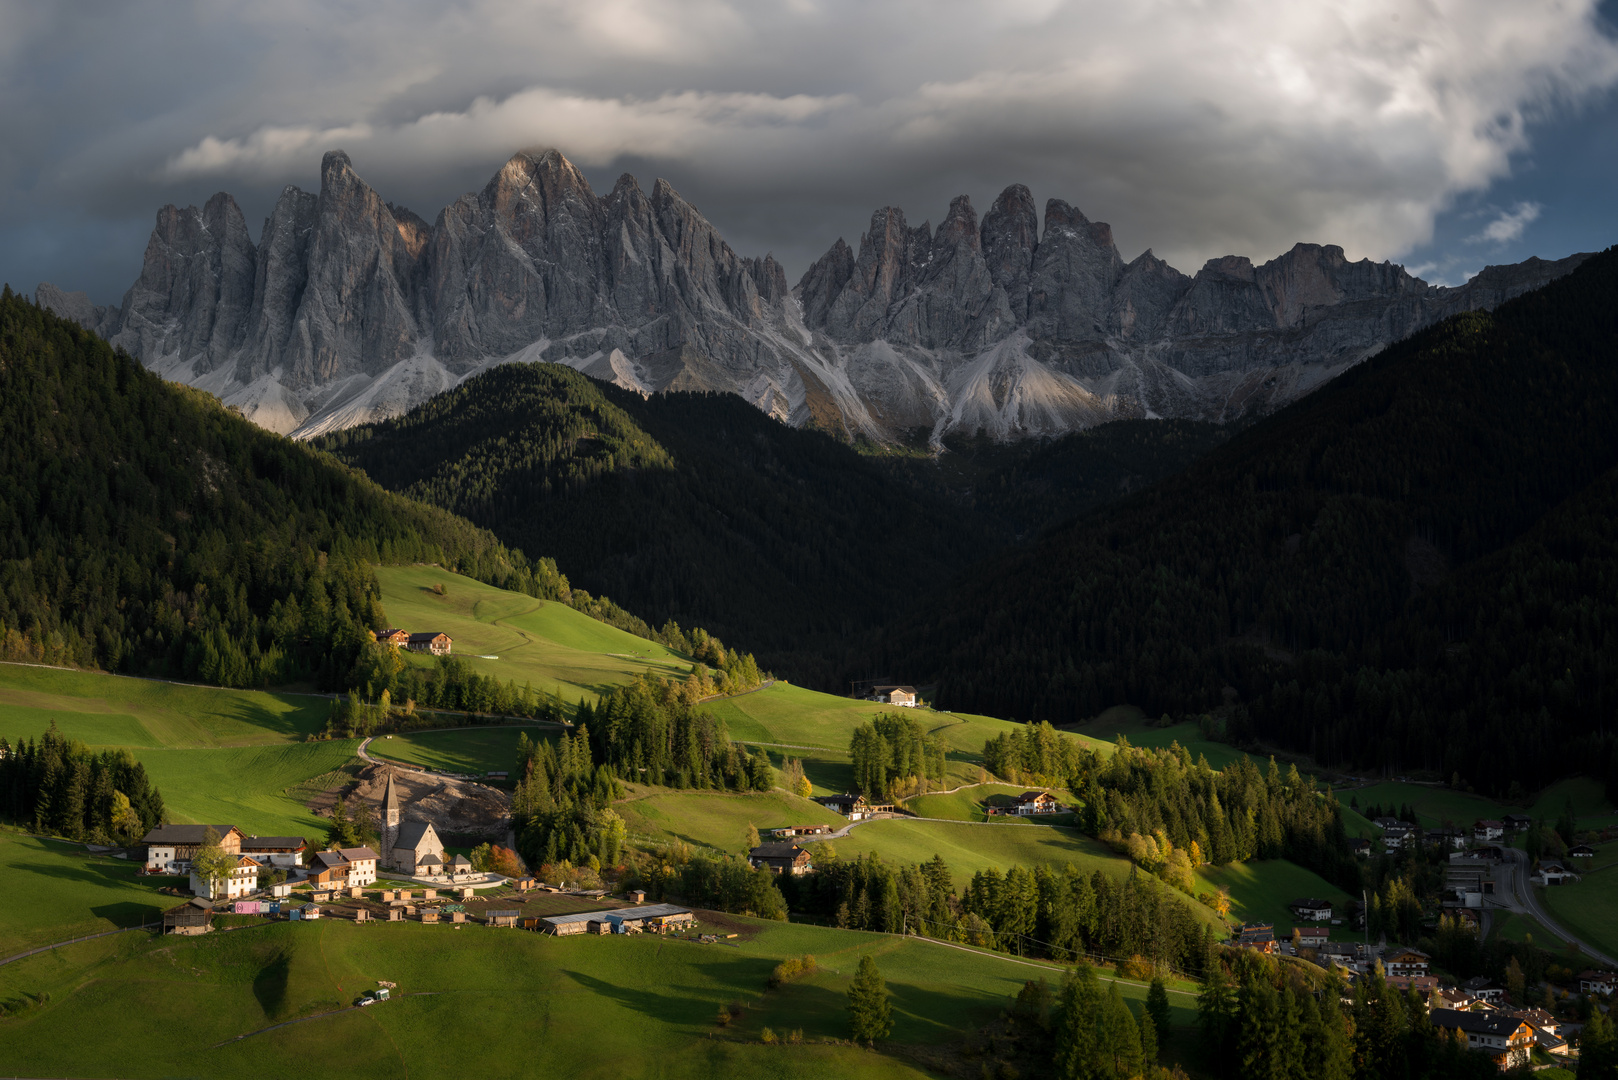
[1484,989]
[1485,830]
[1425,985]
[1030,803]
[243,879]
[653,918]
[792,832]
[1504,1038]
[853,807]
[170,848]
[1259,936]
[1310,937]
[1447,837]
[1581,851]
[394,636]
[1311,909]
[1597,982]
[1401,961]
[1360,847]
[787,859]
[1517,822]
[353,867]
[429,641]
[895,695]
[285,852]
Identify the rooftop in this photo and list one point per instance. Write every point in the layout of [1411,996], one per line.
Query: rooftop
[645,911]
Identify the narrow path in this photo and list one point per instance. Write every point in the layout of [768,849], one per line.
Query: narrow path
[320,1016]
[74,941]
[726,697]
[844,831]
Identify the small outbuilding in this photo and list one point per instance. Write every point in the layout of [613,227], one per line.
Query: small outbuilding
[503,918]
[789,859]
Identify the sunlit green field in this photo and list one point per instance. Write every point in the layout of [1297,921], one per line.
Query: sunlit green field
[490,1003]
[967,803]
[112,710]
[1261,891]
[718,820]
[547,645]
[462,750]
[54,891]
[255,789]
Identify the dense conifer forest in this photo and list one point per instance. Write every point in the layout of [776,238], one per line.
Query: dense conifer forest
[1410,568]
[145,528]
[700,509]
[57,784]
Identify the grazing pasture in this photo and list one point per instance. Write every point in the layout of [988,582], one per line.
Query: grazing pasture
[495,1003]
[558,651]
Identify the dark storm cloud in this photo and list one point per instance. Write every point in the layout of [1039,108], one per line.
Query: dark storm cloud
[1197,127]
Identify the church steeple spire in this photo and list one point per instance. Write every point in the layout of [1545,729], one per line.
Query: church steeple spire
[390,805]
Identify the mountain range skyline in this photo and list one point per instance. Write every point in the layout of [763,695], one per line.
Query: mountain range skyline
[352,308]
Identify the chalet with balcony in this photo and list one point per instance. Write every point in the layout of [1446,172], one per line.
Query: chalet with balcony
[1506,1039]
[789,859]
[430,641]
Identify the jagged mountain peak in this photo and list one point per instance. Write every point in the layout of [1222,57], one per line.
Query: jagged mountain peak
[350,308]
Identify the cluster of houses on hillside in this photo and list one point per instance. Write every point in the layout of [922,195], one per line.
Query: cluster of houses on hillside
[427,641]
[1476,1008]
[409,849]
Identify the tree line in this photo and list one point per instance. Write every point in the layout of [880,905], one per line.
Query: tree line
[58,785]
[894,757]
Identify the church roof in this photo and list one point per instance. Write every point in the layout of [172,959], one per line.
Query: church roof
[413,835]
[390,797]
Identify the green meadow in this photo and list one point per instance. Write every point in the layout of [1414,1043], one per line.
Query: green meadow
[1514,927]
[495,1003]
[717,819]
[1261,891]
[513,637]
[114,710]
[461,750]
[966,804]
[1588,909]
[55,891]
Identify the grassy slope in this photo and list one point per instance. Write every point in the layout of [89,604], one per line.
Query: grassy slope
[718,820]
[1589,908]
[252,788]
[1261,891]
[462,750]
[54,891]
[112,710]
[1514,927]
[556,649]
[816,727]
[657,999]
[963,805]
[218,756]
[1127,720]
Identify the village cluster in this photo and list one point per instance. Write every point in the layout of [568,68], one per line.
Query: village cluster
[334,883]
[1477,1008]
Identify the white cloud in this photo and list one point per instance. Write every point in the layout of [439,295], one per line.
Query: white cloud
[1508,227]
[1197,127]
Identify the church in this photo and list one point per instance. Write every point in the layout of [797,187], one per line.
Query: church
[411,848]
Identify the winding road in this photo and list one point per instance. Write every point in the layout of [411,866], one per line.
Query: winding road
[1515,875]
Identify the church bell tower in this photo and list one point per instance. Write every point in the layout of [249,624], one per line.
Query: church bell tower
[390,821]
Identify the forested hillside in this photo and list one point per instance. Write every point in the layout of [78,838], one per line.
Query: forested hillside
[1415,567]
[145,528]
[691,507]
[700,509]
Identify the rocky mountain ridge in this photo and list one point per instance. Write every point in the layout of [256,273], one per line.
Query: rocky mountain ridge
[350,309]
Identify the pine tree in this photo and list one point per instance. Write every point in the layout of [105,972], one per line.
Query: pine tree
[1148,1039]
[1598,1048]
[1078,1011]
[1119,1037]
[1157,1004]
[870,1012]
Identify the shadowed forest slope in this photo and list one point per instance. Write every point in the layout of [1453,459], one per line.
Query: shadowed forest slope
[1414,567]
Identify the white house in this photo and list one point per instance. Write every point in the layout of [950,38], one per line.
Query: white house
[170,848]
[243,881]
[1030,803]
[1504,1038]
[1406,962]
[895,695]
[284,852]
[1311,909]
[1597,982]
[351,866]
[1484,831]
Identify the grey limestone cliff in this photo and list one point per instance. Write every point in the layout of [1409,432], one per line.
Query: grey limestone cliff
[348,308]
